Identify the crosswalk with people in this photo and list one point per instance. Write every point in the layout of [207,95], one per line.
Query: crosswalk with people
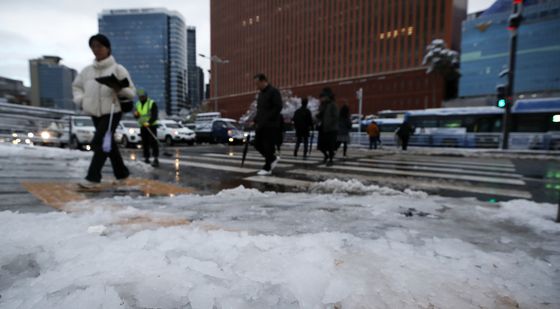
[495,177]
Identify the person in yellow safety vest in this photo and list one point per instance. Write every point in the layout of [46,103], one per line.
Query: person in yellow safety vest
[146,112]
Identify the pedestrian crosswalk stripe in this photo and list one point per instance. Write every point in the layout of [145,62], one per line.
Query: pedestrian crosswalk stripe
[282,159]
[210,166]
[279,181]
[434,169]
[429,175]
[418,185]
[234,161]
[442,160]
[425,163]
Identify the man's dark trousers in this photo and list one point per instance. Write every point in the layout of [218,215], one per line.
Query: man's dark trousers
[265,142]
[148,141]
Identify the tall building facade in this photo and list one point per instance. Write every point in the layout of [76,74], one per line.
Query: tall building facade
[192,72]
[51,83]
[486,43]
[151,43]
[200,86]
[304,45]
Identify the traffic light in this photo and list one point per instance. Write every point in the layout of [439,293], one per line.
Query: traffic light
[515,18]
[501,98]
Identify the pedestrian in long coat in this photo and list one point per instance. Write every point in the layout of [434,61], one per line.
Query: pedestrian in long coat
[327,118]
[344,127]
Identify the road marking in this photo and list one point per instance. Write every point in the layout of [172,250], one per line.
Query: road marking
[424,185]
[434,169]
[58,193]
[210,166]
[280,181]
[252,157]
[430,175]
[421,162]
[447,160]
[234,161]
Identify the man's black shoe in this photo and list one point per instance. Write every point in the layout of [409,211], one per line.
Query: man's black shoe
[155,163]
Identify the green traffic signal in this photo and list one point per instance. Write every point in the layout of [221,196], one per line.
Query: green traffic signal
[502,103]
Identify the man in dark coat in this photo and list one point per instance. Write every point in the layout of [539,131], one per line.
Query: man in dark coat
[267,123]
[404,132]
[327,118]
[303,123]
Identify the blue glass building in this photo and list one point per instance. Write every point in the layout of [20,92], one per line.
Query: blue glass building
[51,83]
[192,72]
[151,44]
[485,49]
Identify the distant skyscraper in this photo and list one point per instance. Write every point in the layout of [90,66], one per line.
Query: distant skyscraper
[193,79]
[51,83]
[200,83]
[151,44]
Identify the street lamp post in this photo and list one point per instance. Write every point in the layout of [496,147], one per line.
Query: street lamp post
[216,60]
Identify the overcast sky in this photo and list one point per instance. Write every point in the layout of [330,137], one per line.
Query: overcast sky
[32,28]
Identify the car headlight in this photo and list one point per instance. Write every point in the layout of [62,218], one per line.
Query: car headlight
[131,131]
[45,135]
[30,135]
[230,132]
[175,132]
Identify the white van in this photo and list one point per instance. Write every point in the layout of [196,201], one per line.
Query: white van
[80,133]
[207,117]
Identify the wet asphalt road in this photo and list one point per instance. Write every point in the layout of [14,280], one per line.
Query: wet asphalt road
[211,168]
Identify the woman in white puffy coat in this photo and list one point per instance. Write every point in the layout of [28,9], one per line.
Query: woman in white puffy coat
[96,100]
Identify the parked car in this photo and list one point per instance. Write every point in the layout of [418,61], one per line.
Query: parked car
[17,130]
[220,130]
[172,132]
[53,135]
[128,133]
[79,133]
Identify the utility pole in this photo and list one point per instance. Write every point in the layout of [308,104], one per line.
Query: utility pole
[360,95]
[215,60]
[513,26]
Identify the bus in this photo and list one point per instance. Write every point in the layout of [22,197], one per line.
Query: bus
[535,124]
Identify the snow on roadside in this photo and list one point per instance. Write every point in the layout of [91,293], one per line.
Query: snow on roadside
[343,244]
[252,249]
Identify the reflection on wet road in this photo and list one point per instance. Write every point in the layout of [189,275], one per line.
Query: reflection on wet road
[211,168]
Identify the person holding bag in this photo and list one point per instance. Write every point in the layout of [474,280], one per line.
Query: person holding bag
[102,103]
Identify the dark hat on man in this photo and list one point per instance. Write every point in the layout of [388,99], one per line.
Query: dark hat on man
[327,92]
[101,39]
[141,92]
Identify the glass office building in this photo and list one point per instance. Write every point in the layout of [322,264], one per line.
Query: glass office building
[485,49]
[192,72]
[51,83]
[151,44]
